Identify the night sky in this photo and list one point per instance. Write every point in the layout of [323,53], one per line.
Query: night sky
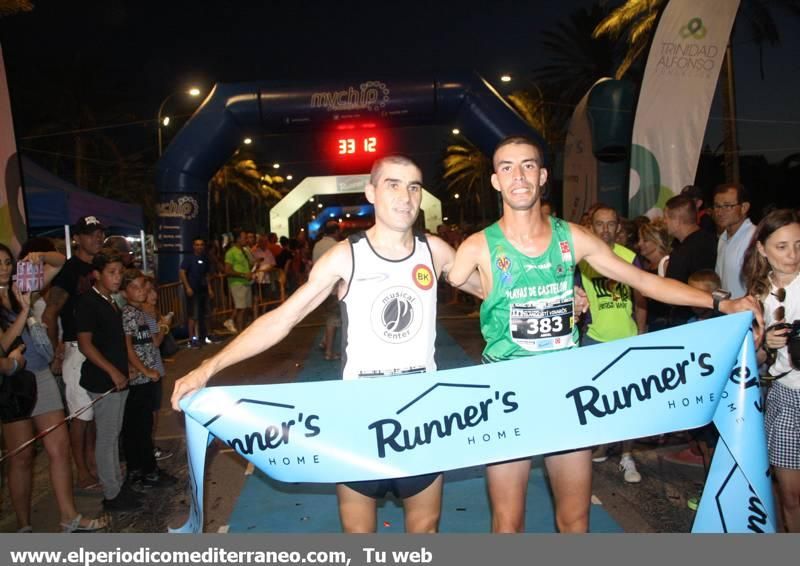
[120,59]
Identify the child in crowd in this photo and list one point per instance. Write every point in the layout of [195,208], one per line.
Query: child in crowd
[703,440]
[159,328]
[147,369]
[706,280]
[104,373]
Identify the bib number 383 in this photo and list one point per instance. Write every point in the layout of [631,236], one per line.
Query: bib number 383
[541,327]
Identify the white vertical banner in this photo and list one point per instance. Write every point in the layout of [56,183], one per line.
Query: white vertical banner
[678,87]
[580,164]
[12,205]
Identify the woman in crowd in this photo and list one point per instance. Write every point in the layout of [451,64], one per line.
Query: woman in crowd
[771,268]
[654,246]
[14,313]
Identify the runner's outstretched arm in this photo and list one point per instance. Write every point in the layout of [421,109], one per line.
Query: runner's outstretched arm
[271,327]
[671,291]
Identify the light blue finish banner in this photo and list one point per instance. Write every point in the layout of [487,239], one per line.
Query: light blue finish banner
[676,379]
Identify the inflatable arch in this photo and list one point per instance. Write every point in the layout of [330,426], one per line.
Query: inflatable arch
[231,111]
[311,186]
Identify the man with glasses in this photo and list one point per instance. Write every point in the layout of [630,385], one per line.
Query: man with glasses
[731,205]
[615,311]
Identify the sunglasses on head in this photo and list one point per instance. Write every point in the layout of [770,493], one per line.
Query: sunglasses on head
[780,312]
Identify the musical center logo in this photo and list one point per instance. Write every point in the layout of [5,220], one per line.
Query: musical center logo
[397,315]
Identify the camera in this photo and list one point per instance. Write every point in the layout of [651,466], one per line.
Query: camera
[793,340]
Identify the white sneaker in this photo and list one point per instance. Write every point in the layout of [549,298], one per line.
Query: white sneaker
[628,468]
[230,325]
[599,455]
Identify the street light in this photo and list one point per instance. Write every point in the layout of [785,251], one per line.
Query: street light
[542,117]
[164,121]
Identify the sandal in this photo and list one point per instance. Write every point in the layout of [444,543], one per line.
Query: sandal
[74,526]
[25,529]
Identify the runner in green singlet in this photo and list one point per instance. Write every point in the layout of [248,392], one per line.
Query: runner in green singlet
[526,264]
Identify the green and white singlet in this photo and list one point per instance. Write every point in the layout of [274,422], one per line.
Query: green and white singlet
[530,309]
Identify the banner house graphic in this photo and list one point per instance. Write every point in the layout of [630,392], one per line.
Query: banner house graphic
[652,384]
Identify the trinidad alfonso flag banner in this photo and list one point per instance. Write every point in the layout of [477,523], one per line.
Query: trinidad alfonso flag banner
[389,427]
[678,87]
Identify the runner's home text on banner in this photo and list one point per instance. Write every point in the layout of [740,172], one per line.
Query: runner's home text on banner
[338,431]
[678,86]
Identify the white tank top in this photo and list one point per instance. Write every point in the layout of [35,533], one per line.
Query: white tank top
[389,312]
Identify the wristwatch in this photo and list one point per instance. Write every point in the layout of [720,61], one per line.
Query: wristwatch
[719,295]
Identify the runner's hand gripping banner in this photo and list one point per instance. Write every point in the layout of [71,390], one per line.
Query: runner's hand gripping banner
[676,379]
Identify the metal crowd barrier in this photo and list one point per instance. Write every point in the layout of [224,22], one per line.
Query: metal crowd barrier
[172,298]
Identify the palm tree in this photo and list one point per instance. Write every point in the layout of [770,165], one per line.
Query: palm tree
[11,7]
[467,170]
[576,61]
[257,192]
[466,174]
[635,19]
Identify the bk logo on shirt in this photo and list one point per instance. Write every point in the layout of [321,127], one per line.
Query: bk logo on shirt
[423,278]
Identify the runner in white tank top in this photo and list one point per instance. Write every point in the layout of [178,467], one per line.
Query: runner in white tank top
[391,311]
[398,299]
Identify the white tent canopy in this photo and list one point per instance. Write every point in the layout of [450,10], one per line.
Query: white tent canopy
[331,185]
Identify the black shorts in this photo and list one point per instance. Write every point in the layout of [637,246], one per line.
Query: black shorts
[402,488]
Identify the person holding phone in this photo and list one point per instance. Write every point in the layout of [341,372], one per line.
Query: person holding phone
[15,308]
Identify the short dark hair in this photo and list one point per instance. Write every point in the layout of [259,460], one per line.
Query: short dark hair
[694,191]
[684,206]
[520,140]
[201,238]
[104,257]
[602,206]
[706,276]
[742,194]
[396,158]
[37,244]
